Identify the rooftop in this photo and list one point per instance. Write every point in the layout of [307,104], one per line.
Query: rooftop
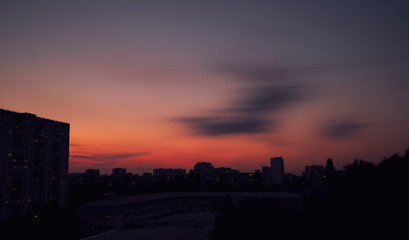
[31,115]
[155,196]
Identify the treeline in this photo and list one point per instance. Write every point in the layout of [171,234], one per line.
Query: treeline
[370,202]
[374,199]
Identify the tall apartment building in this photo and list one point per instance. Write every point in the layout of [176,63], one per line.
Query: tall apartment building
[33,163]
[277,170]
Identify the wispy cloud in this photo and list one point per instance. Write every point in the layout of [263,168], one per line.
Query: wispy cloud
[265,99]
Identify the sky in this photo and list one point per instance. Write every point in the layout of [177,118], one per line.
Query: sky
[150,84]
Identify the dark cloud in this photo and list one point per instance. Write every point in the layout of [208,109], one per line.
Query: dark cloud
[108,158]
[263,91]
[266,99]
[110,155]
[213,126]
[344,129]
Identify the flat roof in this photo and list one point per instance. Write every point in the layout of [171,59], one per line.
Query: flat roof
[174,227]
[31,115]
[156,196]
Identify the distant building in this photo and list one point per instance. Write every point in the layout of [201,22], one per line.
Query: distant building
[314,172]
[245,177]
[33,163]
[224,170]
[169,172]
[277,170]
[92,172]
[169,175]
[267,177]
[265,170]
[314,176]
[119,172]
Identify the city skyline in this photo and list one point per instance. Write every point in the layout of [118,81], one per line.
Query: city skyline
[147,85]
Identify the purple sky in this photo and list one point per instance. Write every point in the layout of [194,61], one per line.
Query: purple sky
[149,84]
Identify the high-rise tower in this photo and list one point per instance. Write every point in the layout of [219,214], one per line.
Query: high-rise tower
[277,170]
[33,163]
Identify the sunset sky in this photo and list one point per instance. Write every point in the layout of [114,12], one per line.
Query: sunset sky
[148,84]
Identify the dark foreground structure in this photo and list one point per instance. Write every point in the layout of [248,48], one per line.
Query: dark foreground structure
[366,201]
[33,164]
[135,211]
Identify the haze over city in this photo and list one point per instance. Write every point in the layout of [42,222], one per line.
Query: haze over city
[150,84]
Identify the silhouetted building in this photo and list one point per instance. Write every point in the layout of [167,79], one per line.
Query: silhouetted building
[169,172]
[267,178]
[147,174]
[314,172]
[169,175]
[226,178]
[265,170]
[314,178]
[33,163]
[146,179]
[119,172]
[245,177]
[277,170]
[92,172]
[292,182]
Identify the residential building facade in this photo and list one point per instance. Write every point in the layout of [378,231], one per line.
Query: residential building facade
[34,156]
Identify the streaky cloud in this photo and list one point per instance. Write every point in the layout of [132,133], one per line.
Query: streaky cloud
[215,126]
[266,99]
[108,159]
[343,129]
[264,90]
[111,155]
